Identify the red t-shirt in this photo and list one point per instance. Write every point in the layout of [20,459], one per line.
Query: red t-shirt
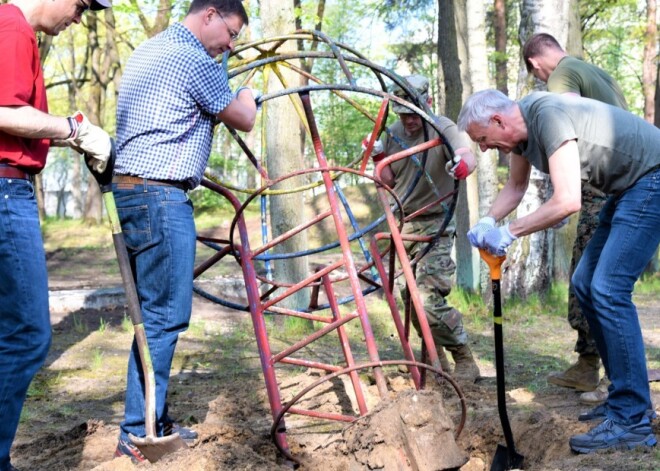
[21,84]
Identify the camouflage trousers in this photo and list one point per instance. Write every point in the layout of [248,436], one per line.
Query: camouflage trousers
[592,202]
[434,281]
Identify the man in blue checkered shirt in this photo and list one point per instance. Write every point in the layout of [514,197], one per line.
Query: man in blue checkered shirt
[172,93]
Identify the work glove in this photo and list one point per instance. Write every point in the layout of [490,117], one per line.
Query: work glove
[560,224]
[476,234]
[90,140]
[498,239]
[377,151]
[256,95]
[457,168]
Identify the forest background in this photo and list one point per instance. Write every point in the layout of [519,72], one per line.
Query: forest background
[463,46]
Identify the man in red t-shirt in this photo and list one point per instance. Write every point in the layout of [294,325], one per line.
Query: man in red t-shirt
[26,131]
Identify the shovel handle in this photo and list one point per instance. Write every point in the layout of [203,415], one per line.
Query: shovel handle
[494,263]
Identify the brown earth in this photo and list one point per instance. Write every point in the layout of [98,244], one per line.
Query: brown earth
[71,417]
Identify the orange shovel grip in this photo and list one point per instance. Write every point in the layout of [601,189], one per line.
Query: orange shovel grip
[494,262]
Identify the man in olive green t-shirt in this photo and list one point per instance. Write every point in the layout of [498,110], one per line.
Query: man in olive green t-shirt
[435,270]
[548,62]
[576,140]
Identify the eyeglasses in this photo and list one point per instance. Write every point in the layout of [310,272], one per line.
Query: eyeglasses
[82,7]
[233,35]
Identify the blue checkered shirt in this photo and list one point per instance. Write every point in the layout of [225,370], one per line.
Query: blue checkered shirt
[170,92]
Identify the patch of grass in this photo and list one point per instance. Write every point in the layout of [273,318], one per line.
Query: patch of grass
[126,324]
[79,325]
[197,329]
[103,325]
[97,359]
[648,284]
[75,233]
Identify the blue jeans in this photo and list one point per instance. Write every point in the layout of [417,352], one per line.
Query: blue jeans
[25,332]
[159,229]
[625,240]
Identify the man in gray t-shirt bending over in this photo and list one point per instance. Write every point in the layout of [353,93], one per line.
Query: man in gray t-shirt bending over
[578,140]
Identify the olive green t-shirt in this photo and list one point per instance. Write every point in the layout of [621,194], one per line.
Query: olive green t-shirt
[573,75]
[405,170]
[616,147]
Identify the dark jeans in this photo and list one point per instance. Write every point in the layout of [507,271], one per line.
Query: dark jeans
[25,332]
[625,240]
[159,229]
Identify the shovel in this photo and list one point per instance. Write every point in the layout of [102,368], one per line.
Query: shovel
[151,446]
[506,457]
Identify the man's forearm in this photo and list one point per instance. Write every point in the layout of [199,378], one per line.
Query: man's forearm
[26,121]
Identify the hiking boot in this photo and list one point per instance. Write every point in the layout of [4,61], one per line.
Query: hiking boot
[465,367]
[127,448]
[598,395]
[600,413]
[187,434]
[610,435]
[582,376]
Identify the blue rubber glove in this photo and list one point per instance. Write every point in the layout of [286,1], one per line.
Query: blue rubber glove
[476,234]
[498,239]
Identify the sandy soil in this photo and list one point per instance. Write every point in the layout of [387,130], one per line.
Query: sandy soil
[71,417]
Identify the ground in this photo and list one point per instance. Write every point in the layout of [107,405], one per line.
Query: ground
[75,404]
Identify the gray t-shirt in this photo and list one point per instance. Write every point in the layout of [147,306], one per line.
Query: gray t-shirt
[616,147]
[405,170]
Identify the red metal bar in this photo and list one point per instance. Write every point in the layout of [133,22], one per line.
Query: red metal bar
[396,317]
[374,134]
[345,346]
[345,245]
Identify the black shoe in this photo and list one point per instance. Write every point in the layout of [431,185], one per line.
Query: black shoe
[600,413]
[187,434]
[127,448]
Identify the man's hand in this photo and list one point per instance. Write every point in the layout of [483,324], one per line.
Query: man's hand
[476,234]
[457,168]
[256,95]
[90,140]
[498,239]
[377,151]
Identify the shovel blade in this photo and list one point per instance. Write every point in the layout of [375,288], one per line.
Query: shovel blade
[506,459]
[154,448]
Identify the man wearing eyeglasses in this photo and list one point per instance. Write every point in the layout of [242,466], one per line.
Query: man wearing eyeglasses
[172,94]
[26,132]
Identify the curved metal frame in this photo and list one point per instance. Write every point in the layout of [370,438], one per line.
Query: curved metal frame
[239,247]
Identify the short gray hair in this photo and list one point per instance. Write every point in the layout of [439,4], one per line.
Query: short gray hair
[481,106]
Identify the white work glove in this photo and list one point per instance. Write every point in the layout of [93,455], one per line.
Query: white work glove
[377,151]
[498,239]
[457,168]
[561,223]
[90,140]
[256,95]
[476,234]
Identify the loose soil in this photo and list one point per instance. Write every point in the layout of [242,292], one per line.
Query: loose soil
[71,418]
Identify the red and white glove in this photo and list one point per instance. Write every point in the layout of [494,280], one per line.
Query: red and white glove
[377,151]
[90,140]
[457,168]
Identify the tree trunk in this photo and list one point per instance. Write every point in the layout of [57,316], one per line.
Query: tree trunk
[531,257]
[649,69]
[480,187]
[499,29]
[283,155]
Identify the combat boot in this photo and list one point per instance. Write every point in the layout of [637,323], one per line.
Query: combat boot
[598,395]
[465,367]
[582,376]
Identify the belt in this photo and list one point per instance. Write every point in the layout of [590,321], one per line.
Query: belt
[12,172]
[131,180]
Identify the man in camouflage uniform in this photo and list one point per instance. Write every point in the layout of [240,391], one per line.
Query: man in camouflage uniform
[435,270]
[548,62]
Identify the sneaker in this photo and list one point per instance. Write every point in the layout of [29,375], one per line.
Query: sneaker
[187,434]
[610,435]
[600,413]
[127,448]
